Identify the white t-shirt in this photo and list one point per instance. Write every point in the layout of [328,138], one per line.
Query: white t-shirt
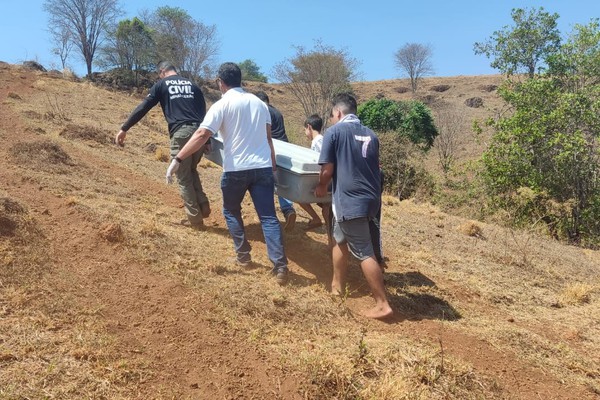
[241,120]
[317,143]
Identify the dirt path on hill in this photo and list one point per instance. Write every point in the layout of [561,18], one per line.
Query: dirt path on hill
[155,319]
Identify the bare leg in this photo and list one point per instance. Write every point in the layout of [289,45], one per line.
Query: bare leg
[372,272]
[339,253]
[315,220]
[327,217]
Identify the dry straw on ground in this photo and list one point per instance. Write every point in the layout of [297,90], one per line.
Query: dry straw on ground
[104,295]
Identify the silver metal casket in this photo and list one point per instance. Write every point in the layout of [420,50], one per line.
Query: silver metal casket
[297,170]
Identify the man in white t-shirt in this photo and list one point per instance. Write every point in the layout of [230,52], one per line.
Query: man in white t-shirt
[244,123]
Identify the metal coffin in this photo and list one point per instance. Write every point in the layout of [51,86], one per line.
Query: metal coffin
[297,170]
[216,151]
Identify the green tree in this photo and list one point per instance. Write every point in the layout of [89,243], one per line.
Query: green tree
[522,47]
[130,48]
[577,65]
[315,76]
[251,71]
[191,45]
[543,162]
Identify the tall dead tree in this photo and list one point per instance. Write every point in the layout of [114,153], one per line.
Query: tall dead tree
[414,59]
[84,22]
[316,75]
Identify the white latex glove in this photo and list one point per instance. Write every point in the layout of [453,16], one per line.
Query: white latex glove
[173,167]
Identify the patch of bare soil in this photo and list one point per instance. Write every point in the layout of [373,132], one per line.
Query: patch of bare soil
[163,338]
[104,295]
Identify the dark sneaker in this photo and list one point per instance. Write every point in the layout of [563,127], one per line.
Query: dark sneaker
[205,209]
[290,221]
[239,263]
[282,277]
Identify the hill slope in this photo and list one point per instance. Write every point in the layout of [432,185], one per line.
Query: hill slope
[104,295]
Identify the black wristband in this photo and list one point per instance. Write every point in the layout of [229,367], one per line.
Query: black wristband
[178,160]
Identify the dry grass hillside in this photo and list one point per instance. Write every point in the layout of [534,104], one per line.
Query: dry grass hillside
[448,95]
[104,295]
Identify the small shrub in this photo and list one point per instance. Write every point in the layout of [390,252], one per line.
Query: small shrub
[472,229]
[34,65]
[55,110]
[41,155]
[163,154]
[151,148]
[402,89]
[576,294]
[399,161]
[33,115]
[488,88]
[13,95]
[440,88]
[474,102]
[112,233]
[83,132]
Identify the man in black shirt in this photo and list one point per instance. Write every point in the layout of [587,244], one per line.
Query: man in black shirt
[184,108]
[278,132]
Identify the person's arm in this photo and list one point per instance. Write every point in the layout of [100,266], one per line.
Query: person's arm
[198,139]
[325,176]
[270,139]
[136,115]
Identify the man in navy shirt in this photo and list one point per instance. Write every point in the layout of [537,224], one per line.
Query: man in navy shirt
[350,156]
[278,132]
[184,108]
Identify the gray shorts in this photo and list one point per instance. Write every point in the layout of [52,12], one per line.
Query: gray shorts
[356,233]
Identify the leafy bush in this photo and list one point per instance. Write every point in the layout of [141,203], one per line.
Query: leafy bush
[411,119]
[543,164]
[548,149]
[404,177]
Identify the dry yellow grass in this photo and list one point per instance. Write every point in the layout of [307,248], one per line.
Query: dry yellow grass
[471,228]
[576,294]
[163,154]
[457,296]
[48,347]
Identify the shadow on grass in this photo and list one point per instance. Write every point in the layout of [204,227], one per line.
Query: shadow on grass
[311,255]
[412,295]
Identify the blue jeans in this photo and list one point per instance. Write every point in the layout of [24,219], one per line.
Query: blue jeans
[261,185]
[287,206]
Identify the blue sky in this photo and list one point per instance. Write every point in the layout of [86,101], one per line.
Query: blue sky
[266,30]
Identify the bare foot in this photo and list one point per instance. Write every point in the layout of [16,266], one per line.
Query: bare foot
[379,312]
[335,291]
